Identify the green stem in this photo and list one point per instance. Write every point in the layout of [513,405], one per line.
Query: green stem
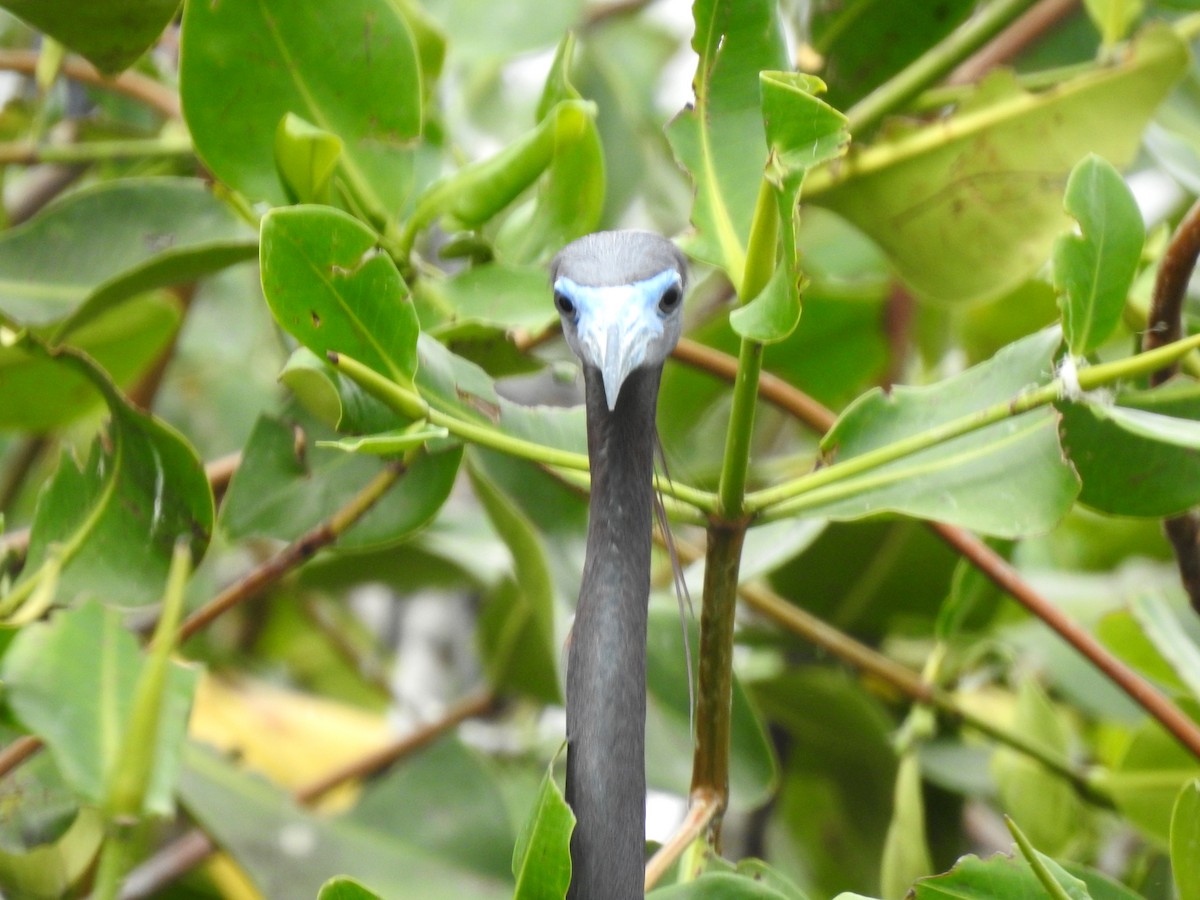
[409,403]
[94,151]
[1089,379]
[759,266]
[933,64]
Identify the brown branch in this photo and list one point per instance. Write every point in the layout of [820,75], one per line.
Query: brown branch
[17,752]
[703,809]
[186,852]
[1024,30]
[294,554]
[1164,326]
[131,84]
[982,557]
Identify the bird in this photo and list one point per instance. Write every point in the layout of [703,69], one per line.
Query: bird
[619,295]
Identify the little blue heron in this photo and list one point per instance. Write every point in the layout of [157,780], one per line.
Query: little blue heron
[620,295]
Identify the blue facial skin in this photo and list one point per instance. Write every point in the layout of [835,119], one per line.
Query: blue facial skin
[617,328]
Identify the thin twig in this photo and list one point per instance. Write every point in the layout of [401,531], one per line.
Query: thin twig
[186,852]
[1164,326]
[991,564]
[17,752]
[1024,30]
[131,84]
[704,807]
[295,553]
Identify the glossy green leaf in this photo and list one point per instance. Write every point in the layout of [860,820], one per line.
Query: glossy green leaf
[955,481]
[106,243]
[409,839]
[1185,842]
[542,855]
[285,486]
[307,158]
[1136,457]
[720,140]
[973,878]
[387,443]
[355,75]
[40,395]
[507,296]
[334,399]
[772,315]
[1165,631]
[972,209]
[112,524]
[331,287]
[71,680]
[112,35]
[802,130]
[1148,777]
[1045,805]
[753,771]
[344,888]
[1094,271]
[517,626]
[906,851]
[479,191]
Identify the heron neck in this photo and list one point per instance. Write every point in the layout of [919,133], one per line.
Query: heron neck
[606,669]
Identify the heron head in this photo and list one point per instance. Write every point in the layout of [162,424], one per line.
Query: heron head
[620,296]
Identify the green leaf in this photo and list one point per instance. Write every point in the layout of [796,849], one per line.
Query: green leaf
[355,75]
[802,130]
[508,296]
[771,316]
[973,878]
[113,524]
[284,487]
[971,209]
[571,196]
[111,35]
[343,888]
[334,399]
[307,158]
[1166,632]
[53,870]
[1094,271]
[1149,775]
[956,481]
[106,243]
[517,627]
[1046,805]
[721,886]
[1054,879]
[1136,457]
[40,395]
[423,832]
[330,286]
[542,855]
[1185,842]
[720,140]
[1113,18]
[71,681]
[906,852]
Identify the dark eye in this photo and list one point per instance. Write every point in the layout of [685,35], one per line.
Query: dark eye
[563,304]
[670,299]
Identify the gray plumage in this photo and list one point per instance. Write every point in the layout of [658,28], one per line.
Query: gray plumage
[606,666]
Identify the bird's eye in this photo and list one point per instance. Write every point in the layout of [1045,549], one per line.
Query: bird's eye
[670,299]
[563,304]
